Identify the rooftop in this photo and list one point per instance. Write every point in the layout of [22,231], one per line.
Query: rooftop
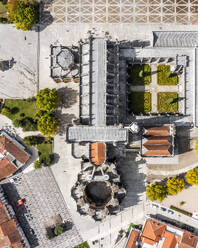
[98,150]
[161,235]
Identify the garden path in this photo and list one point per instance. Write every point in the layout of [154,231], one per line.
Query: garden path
[154,88]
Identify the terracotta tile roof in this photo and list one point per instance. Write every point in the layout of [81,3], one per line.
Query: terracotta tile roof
[157,141]
[132,239]
[170,240]
[6,168]
[188,241]
[13,149]
[153,231]
[3,214]
[98,153]
[9,229]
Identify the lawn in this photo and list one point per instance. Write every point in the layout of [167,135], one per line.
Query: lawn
[45,147]
[140,75]
[166,106]
[165,77]
[83,245]
[21,112]
[140,102]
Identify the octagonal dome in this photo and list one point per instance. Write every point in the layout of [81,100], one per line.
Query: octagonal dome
[65,59]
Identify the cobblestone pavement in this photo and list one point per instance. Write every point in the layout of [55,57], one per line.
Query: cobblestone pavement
[122,11]
[43,200]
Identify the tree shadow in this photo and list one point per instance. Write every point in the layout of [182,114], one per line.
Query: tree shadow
[65,120]
[68,97]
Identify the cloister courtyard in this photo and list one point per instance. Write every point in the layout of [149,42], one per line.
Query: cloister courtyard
[155,88]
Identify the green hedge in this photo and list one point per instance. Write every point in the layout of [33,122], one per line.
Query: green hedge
[165,77]
[140,102]
[140,75]
[164,106]
[83,245]
[181,211]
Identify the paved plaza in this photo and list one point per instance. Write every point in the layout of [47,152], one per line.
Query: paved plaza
[43,200]
[121,11]
[20,47]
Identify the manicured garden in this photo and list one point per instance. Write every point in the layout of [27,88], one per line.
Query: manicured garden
[44,147]
[167,102]
[21,112]
[140,102]
[165,76]
[140,74]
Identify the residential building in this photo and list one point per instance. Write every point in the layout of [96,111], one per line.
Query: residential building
[161,235]
[13,155]
[11,234]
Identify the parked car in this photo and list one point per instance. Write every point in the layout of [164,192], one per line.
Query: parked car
[170,211]
[153,205]
[163,209]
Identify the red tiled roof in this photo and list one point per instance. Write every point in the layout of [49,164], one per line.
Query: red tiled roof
[189,241]
[3,214]
[157,141]
[170,240]
[6,168]
[132,239]
[9,229]
[98,153]
[13,149]
[153,230]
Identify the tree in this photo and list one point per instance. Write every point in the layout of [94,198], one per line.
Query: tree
[192,176]
[46,158]
[196,146]
[156,191]
[48,125]
[37,164]
[59,229]
[47,99]
[24,14]
[175,185]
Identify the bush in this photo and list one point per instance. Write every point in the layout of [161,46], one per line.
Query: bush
[156,191]
[22,114]
[175,185]
[33,140]
[46,158]
[192,176]
[5,111]
[17,123]
[37,164]
[28,124]
[3,20]
[14,110]
[59,229]
[50,234]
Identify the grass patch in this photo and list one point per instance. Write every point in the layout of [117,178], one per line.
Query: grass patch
[165,76]
[166,106]
[140,102]
[140,75]
[181,211]
[21,112]
[83,245]
[45,147]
